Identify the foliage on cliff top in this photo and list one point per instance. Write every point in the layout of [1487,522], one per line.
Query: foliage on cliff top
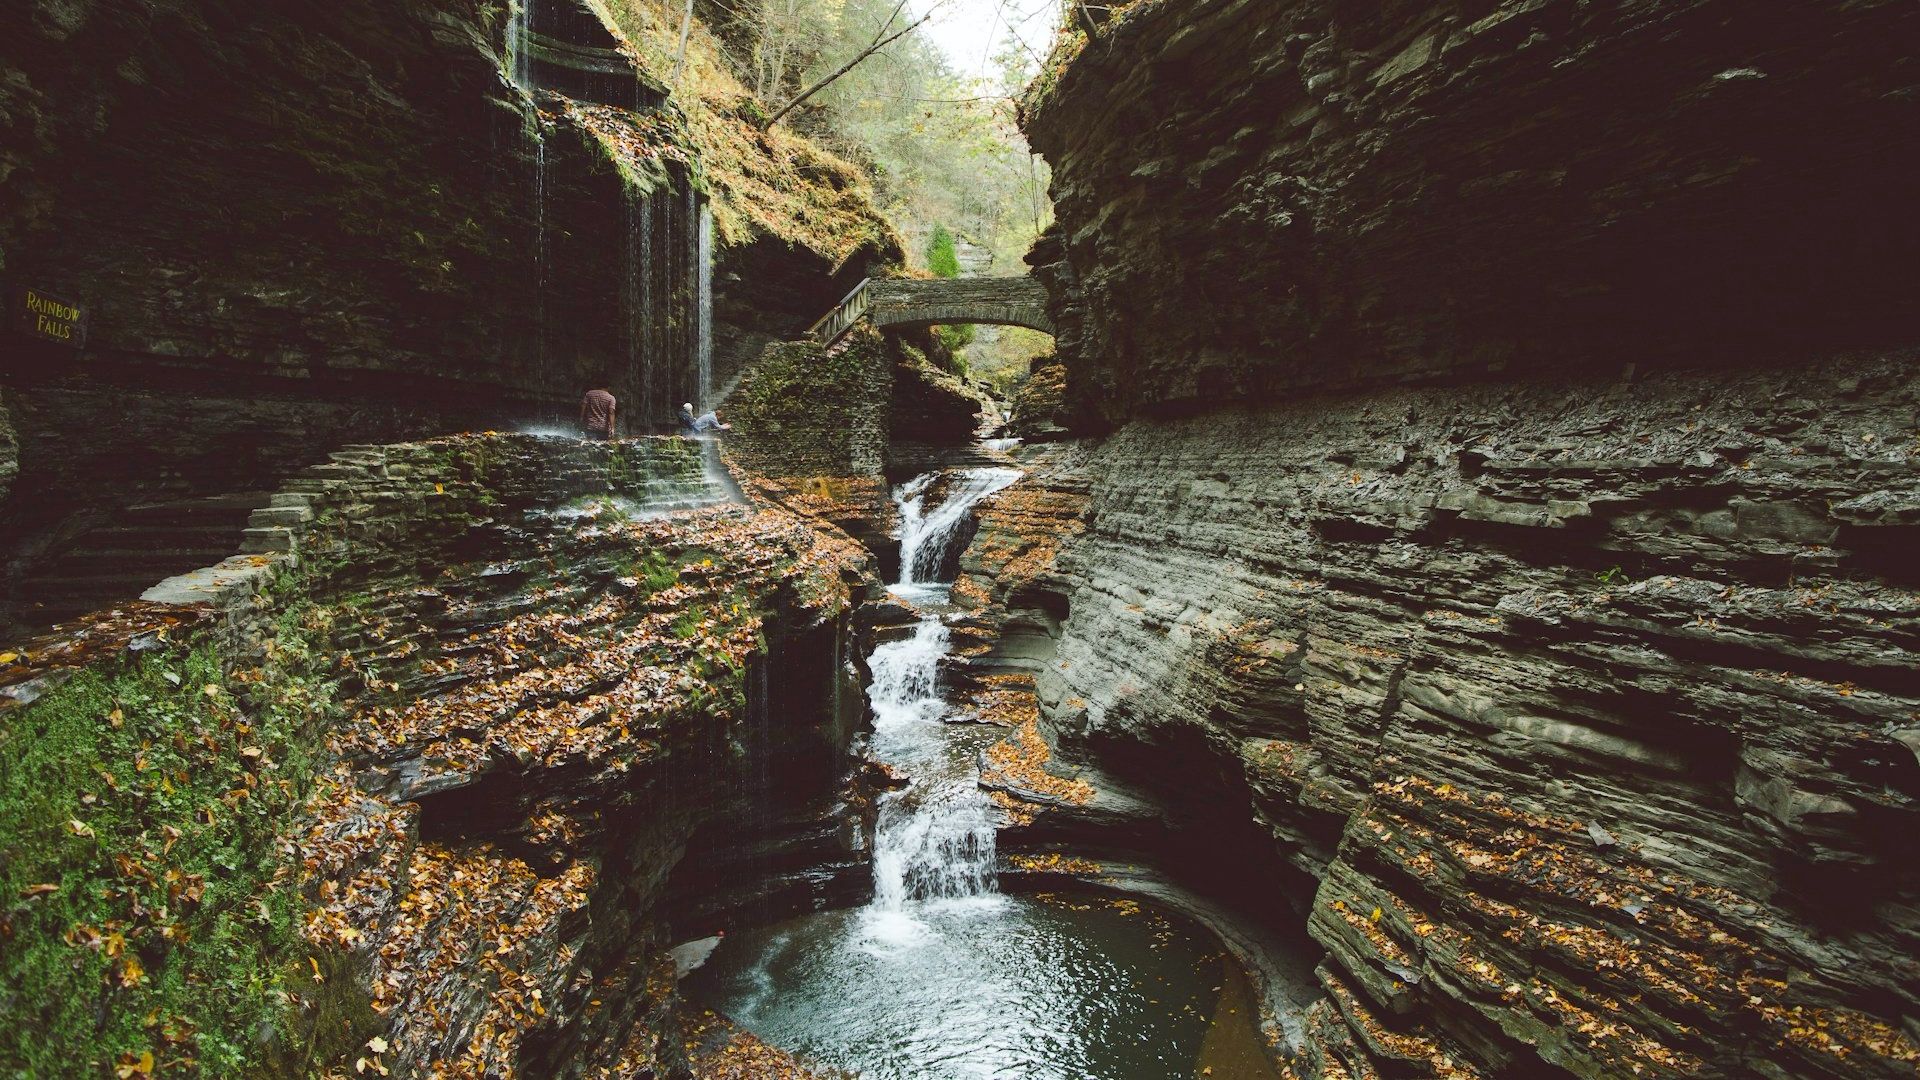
[150,885]
[764,182]
[1067,47]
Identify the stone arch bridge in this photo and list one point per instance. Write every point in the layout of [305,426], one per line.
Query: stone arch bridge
[1003,301]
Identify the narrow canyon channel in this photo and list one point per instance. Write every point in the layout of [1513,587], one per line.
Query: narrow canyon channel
[941,976]
[959,540]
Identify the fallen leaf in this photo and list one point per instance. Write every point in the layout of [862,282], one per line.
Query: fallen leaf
[79,828]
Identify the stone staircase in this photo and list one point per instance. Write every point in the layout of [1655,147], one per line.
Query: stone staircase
[117,561]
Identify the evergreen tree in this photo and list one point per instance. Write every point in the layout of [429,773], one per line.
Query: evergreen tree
[943,259]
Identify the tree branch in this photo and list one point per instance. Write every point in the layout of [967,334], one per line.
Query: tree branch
[880,41]
[1085,19]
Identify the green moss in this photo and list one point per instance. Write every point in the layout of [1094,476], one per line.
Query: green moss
[657,571]
[154,904]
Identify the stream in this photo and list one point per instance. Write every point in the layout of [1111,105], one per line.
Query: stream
[941,976]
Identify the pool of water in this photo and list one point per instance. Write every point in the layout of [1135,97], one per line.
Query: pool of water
[941,977]
[991,987]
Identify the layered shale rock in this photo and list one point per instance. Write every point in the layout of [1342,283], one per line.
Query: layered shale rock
[1256,197]
[1566,706]
[530,689]
[1582,711]
[356,222]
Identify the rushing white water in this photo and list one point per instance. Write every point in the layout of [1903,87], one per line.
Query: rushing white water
[941,977]
[703,354]
[519,56]
[935,839]
[927,536]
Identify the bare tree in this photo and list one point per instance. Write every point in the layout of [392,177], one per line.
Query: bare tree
[881,40]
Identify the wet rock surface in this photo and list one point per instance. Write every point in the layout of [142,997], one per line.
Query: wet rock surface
[1572,718]
[1493,564]
[555,696]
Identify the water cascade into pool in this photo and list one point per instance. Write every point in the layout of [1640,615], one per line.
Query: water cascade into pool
[941,976]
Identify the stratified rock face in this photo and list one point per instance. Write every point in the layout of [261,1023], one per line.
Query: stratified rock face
[1260,195]
[1587,708]
[535,683]
[296,228]
[1569,708]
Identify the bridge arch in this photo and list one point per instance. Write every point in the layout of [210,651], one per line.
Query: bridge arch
[1006,301]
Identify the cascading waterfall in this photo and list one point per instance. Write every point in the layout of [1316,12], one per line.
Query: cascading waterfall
[940,976]
[519,56]
[927,537]
[703,266]
[638,298]
[935,839]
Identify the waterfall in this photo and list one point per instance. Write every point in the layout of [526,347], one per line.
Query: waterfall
[541,384]
[927,538]
[703,358]
[649,318]
[519,64]
[637,297]
[935,839]
[519,55]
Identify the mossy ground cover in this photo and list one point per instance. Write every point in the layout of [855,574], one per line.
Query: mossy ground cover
[151,894]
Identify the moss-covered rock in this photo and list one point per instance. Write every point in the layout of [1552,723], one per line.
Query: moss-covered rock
[356,801]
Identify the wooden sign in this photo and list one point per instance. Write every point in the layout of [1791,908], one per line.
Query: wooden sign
[48,318]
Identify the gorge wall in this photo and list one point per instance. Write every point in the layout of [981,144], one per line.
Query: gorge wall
[1491,559]
[433,790]
[296,228]
[1395,190]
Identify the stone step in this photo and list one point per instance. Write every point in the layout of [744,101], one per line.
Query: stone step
[333,471]
[279,515]
[265,540]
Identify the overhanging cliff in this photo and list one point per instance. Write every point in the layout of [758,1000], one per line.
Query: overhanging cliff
[1259,197]
[292,228]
